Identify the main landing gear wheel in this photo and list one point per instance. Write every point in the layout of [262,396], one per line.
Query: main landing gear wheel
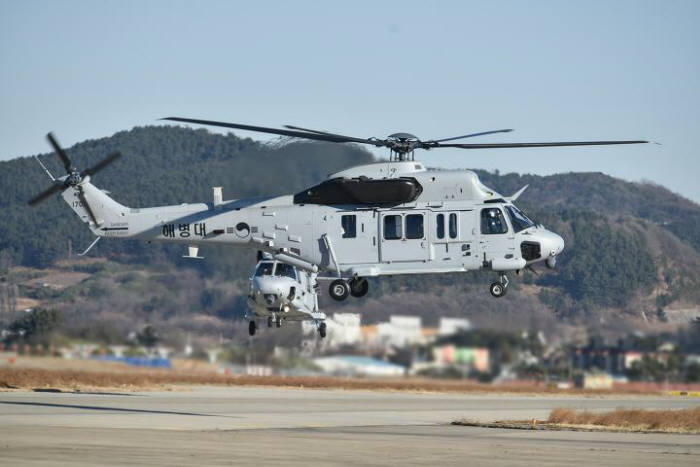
[252,327]
[278,322]
[322,330]
[269,321]
[339,290]
[359,287]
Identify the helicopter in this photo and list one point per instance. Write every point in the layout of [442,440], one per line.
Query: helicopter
[391,217]
[280,292]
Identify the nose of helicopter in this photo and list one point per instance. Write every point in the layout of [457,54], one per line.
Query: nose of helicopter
[271,290]
[552,244]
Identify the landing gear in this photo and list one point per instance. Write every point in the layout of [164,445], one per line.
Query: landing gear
[359,287]
[269,321]
[322,330]
[339,290]
[278,322]
[499,289]
[252,327]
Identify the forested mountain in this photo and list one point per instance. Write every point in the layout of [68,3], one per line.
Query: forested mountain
[628,245]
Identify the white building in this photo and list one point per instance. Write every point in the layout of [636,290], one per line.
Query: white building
[449,326]
[341,329]
[400,331]
[351,365]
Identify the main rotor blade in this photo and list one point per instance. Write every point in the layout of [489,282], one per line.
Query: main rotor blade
[294,134]
[61,153]
[536,145]
[102,164]
[46,193]
[292,127]
[507,130]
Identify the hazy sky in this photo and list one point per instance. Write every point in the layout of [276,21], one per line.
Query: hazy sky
[550,70]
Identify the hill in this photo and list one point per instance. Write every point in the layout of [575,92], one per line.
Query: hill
[633,249]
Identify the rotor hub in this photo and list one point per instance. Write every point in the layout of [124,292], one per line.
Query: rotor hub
[401,144]
[74,178]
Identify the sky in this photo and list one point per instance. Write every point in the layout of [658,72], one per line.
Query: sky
[551,70]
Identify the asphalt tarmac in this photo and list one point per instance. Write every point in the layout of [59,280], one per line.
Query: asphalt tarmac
[264,426]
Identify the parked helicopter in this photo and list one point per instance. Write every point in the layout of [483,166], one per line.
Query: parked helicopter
[280,292]
[386,218]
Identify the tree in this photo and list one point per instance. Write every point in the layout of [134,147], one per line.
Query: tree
[35,327]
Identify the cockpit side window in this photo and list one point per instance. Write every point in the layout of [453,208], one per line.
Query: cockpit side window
[264,269]
[493,222]
[518,218]
[285,270]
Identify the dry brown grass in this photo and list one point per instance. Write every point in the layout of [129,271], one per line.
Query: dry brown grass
[148,379]
[633,419]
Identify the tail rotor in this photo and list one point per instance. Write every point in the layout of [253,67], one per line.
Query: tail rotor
[73,177]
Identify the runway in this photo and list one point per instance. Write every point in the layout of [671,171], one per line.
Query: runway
[261,426]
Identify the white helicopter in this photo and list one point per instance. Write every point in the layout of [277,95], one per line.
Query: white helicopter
[280,292]
[387,218]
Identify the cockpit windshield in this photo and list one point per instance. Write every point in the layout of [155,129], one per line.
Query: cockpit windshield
[264,269]
[285,270]
[518,218]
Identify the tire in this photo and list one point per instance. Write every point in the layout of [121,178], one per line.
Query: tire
[497,289]
[278,322]
[269,321]
[322,330]
[252,327]
[359,287]
[339,290]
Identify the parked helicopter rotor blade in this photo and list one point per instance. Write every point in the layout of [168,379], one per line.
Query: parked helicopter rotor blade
[275,131]
[101,165]
[61,153]
[471,135]
[535,145]
[58,186]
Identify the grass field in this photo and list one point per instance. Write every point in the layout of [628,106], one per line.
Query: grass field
[687,420]
[147,379]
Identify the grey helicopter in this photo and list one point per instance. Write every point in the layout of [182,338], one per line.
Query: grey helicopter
[386,218]
[280,292]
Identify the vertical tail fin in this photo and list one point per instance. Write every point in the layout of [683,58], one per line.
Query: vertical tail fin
[95,208]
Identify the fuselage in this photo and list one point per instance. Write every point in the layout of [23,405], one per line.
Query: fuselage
[428,221]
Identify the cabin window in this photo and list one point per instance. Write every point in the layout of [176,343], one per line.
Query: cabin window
[392,227]
[349,224]
[264,269]
[285,270]
[453,225]
[440,220]
[414,226]
[493,222]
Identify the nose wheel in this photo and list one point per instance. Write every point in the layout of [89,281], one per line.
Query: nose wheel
[499,289]
[252,327]
[322,329]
